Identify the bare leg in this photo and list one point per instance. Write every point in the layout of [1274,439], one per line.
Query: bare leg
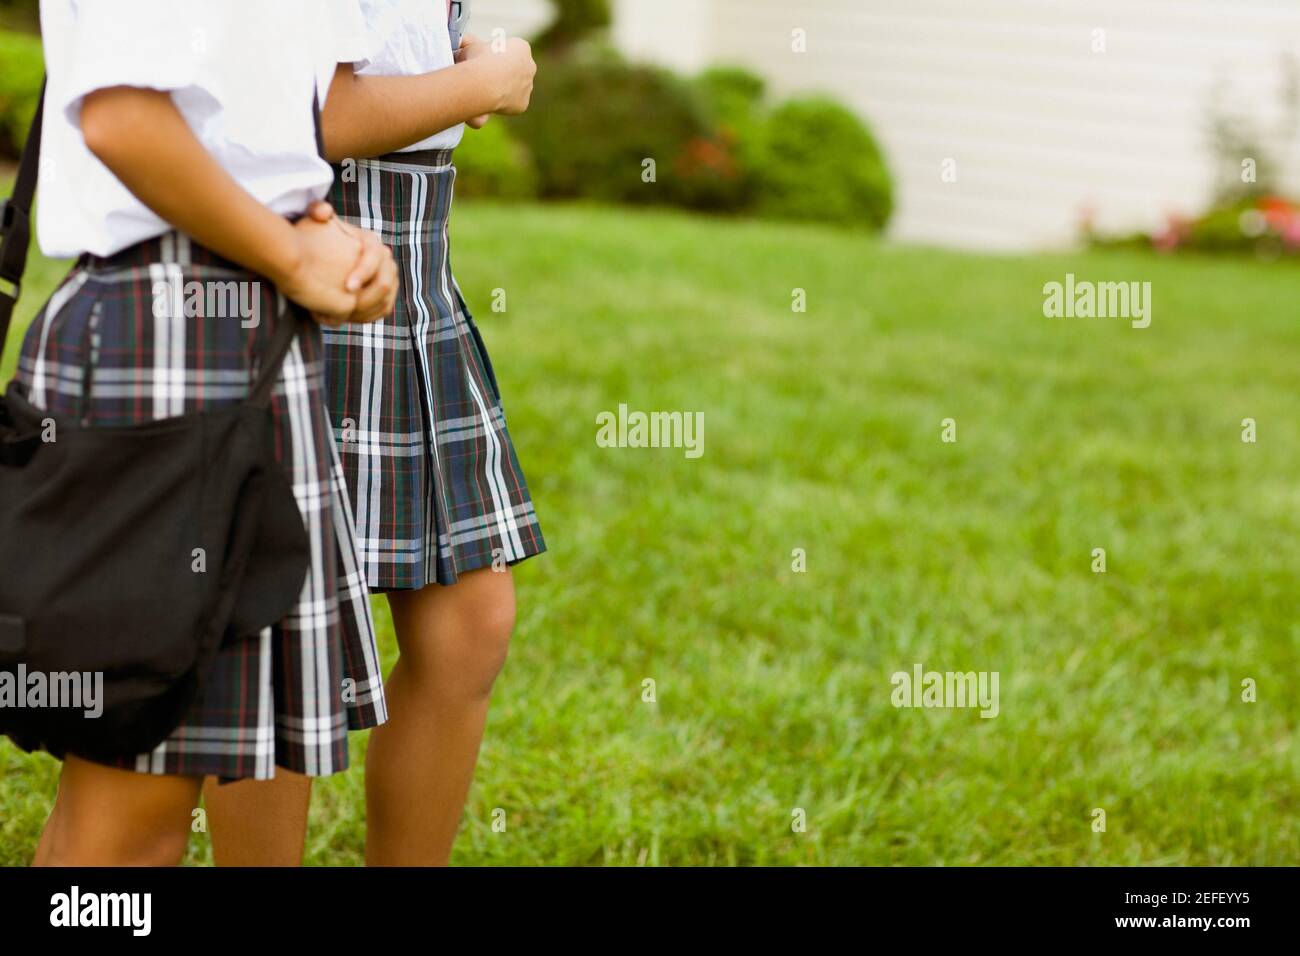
[258,822]
[110,817]
[419,765]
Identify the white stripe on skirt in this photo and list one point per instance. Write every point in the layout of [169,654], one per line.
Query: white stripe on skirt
[56,305]
[372,383]
[422,321]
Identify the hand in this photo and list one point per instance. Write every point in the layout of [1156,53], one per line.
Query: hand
[509,71]
[323,257]
[471,47]
[373,278]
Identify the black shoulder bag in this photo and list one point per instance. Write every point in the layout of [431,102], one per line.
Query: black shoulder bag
[128,554]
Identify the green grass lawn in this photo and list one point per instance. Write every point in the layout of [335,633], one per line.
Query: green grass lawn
[1119,691]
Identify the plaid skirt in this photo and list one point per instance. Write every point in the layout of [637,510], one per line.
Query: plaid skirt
[159,330]
[436,486]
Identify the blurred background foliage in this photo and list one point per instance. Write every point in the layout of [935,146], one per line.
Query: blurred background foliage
[717,142]
[574,19]
[21,15]
[21,69]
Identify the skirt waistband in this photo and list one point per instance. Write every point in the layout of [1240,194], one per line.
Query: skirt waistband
[170,247]
[419,157]
[176,247]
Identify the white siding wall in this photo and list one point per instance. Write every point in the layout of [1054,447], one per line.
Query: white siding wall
[1040,126]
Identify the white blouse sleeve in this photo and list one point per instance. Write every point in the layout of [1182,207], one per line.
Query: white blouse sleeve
[155,44]
[352,42]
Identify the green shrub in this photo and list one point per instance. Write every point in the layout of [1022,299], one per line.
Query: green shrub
[491,162]
[594,120]
[1218,230]
[1266,227]
[733,98]
[732,94]
[574,20]
[821,163]
[22,15]
[20,88]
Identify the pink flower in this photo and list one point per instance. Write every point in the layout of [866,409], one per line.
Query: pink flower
[1281,214]
[1291,233]
[1175,231]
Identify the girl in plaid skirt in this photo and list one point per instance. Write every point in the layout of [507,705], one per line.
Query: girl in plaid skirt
[441,504]
[164,166]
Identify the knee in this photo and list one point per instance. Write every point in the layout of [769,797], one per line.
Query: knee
[487,642]
[455,639]
[70,847]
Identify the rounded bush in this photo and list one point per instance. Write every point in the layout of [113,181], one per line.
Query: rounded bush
[821,163]
[595,121]
[734,95]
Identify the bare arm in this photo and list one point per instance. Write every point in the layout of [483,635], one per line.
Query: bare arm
[372,115]
[143,139]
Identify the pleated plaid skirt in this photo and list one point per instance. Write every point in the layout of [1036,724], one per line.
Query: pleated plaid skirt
[435,482]
[168,328]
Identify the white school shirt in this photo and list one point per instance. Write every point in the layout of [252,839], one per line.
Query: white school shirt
[407,38]
[241,72]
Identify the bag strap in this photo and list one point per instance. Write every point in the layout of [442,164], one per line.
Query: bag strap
[281,339]
[16,222]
